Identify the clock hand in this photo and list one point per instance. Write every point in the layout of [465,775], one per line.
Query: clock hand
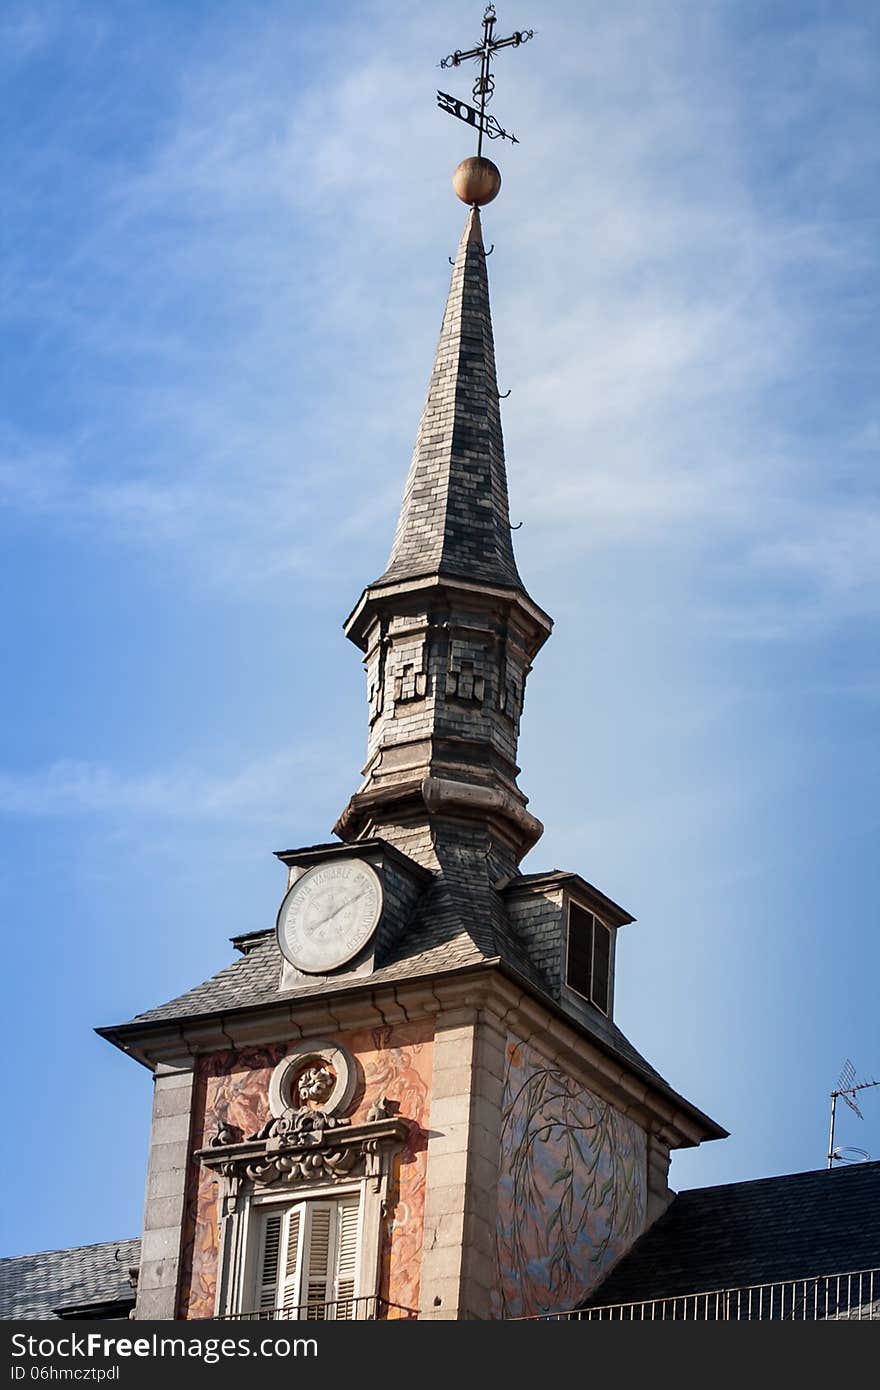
[348,902]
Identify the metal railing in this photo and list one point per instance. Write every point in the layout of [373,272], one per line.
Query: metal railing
[853,1296]
[370,1309]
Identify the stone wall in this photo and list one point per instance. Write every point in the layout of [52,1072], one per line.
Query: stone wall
[168,1174]
[538,919]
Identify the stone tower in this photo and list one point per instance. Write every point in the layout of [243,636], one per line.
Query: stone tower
[410,1098]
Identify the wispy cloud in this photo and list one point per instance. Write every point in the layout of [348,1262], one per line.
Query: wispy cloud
[71,788]
[670,311]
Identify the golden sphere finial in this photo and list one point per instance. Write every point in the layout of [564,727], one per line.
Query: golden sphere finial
[477,181]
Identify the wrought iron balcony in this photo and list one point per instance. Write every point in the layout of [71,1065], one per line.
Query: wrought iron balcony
[854,1296]
[342,1310]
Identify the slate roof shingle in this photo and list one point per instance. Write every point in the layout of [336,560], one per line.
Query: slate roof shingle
[746,1233]
[34,1286]
[253,980]
[454,519]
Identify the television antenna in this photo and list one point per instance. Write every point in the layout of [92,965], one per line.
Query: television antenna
[846,1089]
[852,1154]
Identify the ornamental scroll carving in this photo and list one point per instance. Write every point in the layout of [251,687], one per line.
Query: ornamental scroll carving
[297,1140]
[305,1146]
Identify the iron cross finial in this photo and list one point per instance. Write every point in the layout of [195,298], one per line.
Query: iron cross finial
[484,84]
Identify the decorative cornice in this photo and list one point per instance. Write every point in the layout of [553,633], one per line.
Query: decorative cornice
[387,594]
[571,884]
[493,986]
[439,796]
[318,854]
[306,1147]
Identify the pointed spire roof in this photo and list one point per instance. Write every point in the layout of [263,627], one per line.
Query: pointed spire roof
[454,519]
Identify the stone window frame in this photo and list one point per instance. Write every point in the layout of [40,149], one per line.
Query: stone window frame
[240,1238]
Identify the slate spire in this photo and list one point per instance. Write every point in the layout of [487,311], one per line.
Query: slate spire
[448,631]
[454,519]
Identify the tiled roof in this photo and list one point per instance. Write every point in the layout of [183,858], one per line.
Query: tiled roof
[459,921]
[254,978]
[746,1233]
[35,1286]
[437,942]
[454,519]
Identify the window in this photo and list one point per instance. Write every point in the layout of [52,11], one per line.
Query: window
[307,1260]
[588,963]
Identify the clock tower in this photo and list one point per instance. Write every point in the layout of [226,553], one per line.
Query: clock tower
[409,1097]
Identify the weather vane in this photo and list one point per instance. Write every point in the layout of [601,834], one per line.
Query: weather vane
[477,180]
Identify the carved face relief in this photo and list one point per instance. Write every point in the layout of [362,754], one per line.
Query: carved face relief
[315,1084]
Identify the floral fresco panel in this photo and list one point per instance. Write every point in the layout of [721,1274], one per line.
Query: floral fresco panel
[571,1196]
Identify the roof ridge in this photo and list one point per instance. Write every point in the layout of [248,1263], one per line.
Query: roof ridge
[71,1249]
[778,1177]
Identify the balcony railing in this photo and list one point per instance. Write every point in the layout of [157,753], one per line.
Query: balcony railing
[853,1296]
[342,1310]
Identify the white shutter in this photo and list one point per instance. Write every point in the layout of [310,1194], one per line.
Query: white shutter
[267,1269]
[290,1284]
[308,1260]
[320,1251]
[280,1260]
[346,1257]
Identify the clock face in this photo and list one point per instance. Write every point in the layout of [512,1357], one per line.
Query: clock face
[329,915]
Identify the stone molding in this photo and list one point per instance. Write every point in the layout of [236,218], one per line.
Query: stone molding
[439,796]
[493,987]
[293,1155]
[338,1058]
[356,626]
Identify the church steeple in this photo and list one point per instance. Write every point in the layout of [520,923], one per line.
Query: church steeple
[448,631]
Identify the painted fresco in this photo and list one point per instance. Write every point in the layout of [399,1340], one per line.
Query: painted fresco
[232,1088]
[571,1193]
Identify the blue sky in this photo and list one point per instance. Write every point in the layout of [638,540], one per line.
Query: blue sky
[225,239]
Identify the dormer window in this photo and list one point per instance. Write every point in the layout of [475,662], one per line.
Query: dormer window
[588,957]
